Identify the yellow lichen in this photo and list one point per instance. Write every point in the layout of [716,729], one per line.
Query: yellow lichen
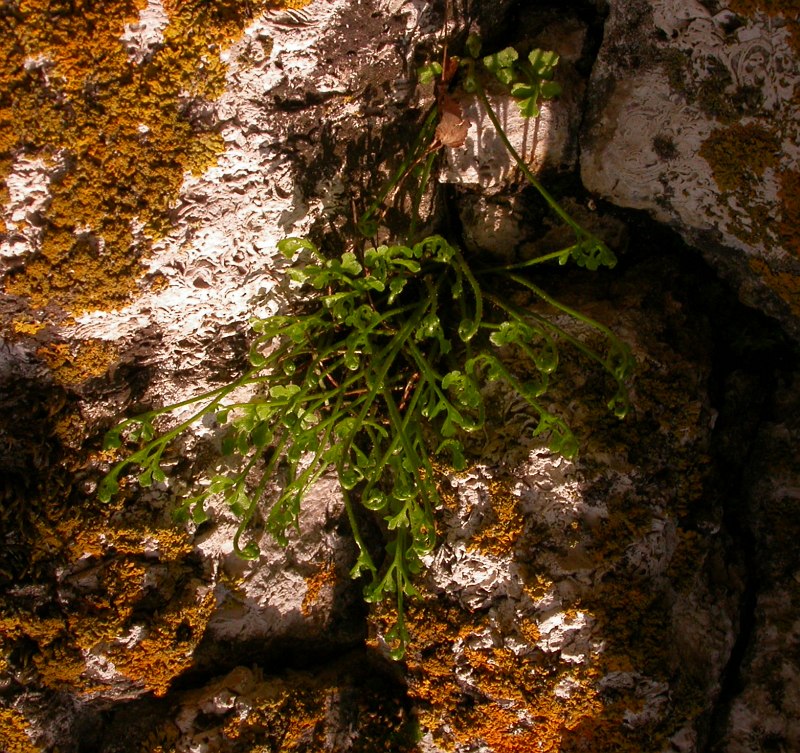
[75,362]
[28,328]
[501,529]
[739,154]
[114,560]
[14,734]
[786,285]
[123,134]
[322,578]
[789,224]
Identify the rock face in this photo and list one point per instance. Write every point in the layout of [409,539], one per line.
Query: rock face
[642,597]
[758,713]
[693,117]
[565,595]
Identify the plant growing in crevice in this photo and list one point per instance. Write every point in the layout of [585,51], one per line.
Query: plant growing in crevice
[377,365]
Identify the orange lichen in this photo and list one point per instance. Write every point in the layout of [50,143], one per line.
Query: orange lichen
[493,677]
[548,718]
[14,733]
[170,635]
[112,556]
[28,328]
[161,740]
[786,285]
[788,9]
[297,711]
[122,134]
[514,706]
[529,629]
[158,282]
[61,666]
[70,429]
[537,586]
[44,631]
[75,362]
[501,529]
[322,578]
[740,154]
[293,717]
[153,661]
[527,701]
[169,544]
[167,651]
[770,7]
[789,224]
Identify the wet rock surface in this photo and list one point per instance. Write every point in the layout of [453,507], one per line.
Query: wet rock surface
[642,597]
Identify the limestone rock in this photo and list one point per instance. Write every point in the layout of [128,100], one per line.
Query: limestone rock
[569,603]
[109,607]
[633,599]
[692,117]
[761,714]
[548,142]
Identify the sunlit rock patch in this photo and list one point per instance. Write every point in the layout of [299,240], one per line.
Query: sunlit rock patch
[573,606]
[587,606]
[694,118]
[120,120]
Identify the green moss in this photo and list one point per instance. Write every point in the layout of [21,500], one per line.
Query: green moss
[677,66]
[715,94]
[123,132]
[718,96]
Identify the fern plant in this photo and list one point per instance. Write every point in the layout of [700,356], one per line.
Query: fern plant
[377,368]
